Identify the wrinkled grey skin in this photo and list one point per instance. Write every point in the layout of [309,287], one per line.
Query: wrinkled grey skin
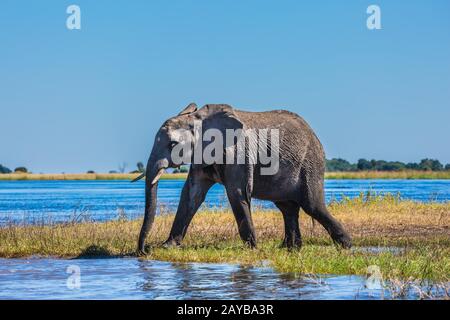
[299,182]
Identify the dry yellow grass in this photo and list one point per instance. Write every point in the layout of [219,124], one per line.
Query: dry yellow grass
[82,176]
[407,174]
[422,230]
[382,221]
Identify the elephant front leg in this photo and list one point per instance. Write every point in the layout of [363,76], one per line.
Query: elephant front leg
[192,196]
[241,209]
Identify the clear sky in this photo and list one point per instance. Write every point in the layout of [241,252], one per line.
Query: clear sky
[89,99]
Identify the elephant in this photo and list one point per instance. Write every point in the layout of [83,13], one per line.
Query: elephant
[297,184]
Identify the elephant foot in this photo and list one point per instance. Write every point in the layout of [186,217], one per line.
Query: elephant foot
[342,239]
[142,252]
[250,243]
[291,245]
[171,243]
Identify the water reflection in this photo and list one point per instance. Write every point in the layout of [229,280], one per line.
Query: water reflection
[130,278]
[210,281]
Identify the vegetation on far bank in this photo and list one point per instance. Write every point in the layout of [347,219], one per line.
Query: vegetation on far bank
[335,169]
[426,164]
[84,176]
[418,231]
[406,174]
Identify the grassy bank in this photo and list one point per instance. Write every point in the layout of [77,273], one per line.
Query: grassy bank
[421,231]
[81,176]
[408,174]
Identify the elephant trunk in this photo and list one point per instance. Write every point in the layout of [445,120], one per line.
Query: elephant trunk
[152,175]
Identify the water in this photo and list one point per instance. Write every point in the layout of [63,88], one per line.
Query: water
[57,201]
[130,278]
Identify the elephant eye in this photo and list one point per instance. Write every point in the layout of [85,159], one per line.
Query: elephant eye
[173,143]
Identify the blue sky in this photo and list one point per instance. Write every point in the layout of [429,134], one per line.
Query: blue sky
[89,99]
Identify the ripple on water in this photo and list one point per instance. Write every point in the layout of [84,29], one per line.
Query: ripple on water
[44,201]
[130,278]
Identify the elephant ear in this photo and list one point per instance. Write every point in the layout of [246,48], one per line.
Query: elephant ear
[191,108]
[219,117]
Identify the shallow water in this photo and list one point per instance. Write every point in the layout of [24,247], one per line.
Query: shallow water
[131,278]
[57,201]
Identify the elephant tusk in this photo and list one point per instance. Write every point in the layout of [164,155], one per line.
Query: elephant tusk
[158,175]
[139,177]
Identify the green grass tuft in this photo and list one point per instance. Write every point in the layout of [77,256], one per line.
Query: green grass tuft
[419,231]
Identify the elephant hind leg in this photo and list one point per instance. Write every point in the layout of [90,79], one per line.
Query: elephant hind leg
[313,203]
[333,227]
[292,235]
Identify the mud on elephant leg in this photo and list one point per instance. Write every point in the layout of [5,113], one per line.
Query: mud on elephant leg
[292,235]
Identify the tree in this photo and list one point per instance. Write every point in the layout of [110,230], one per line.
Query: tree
[364,164]
[337,164]
[447,166]
[394,166]
[4,169]
[430,165]
[90,171]
[122,167]
[380,165]
[184,169]
[21,169]
[181,169]
[412,166]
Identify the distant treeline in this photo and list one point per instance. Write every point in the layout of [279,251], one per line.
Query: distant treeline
[4,169]
[338,164]
[333,165]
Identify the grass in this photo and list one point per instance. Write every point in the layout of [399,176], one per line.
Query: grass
[82,176]
[421,231]
[407,174]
